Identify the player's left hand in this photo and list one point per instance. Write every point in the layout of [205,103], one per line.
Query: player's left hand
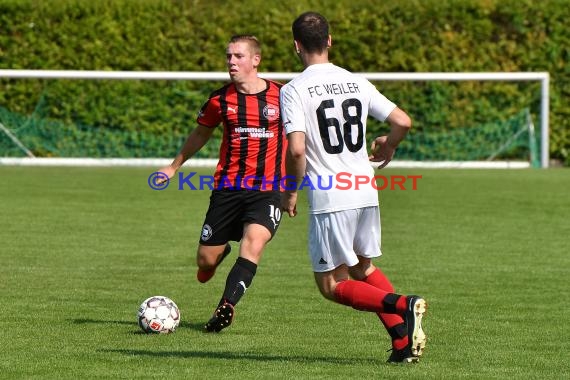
[381,151]
[289,203]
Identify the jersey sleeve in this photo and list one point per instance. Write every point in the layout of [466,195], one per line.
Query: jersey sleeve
[292,110]
[210,114]
[380,106]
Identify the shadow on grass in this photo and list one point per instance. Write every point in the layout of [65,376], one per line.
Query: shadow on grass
[220,354]
[351,361]
[84,321]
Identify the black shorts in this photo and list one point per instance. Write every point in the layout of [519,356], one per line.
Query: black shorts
[229,210]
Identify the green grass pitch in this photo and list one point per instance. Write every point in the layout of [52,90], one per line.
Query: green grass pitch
[80,249]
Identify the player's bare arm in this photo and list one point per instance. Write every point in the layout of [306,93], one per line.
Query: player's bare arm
[295,164]
[195,141]
[384,147]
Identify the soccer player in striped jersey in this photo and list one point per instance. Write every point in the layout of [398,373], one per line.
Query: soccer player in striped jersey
[324,111]
[245,201]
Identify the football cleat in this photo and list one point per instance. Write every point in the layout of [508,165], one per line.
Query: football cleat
[222,318]
[206,275]
[403,356]
[415,310]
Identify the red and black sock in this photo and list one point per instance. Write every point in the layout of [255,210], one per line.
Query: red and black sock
[362,296]
[393,323]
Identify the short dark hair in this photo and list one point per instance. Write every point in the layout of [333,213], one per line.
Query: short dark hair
[252,41]
[311,29]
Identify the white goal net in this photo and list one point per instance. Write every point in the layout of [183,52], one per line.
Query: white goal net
[100,118]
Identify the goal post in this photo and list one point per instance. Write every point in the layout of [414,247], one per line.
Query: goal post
[542,77]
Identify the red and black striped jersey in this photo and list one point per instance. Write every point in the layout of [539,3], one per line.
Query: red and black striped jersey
[252,152]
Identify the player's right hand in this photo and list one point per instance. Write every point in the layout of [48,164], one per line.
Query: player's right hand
[168,171]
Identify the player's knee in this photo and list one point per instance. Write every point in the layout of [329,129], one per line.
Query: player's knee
[255,236]
[252,248]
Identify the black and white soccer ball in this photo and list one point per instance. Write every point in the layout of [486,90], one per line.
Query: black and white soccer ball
[159,315]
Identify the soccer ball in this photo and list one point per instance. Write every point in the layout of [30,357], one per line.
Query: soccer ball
[158,314]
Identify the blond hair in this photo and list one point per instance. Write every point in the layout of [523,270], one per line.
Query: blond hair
[251,40]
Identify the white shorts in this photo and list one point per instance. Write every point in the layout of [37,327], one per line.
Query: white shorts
[337,238]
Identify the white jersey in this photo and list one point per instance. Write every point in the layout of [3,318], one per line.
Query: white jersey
[330,105]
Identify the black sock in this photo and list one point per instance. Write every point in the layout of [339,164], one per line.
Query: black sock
[239,279]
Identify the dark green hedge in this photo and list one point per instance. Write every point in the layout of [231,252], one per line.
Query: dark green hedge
[368,36]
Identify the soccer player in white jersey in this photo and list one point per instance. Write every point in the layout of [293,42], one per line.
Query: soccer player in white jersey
[324,111]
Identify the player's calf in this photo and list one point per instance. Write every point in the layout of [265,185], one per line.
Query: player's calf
[205,275]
